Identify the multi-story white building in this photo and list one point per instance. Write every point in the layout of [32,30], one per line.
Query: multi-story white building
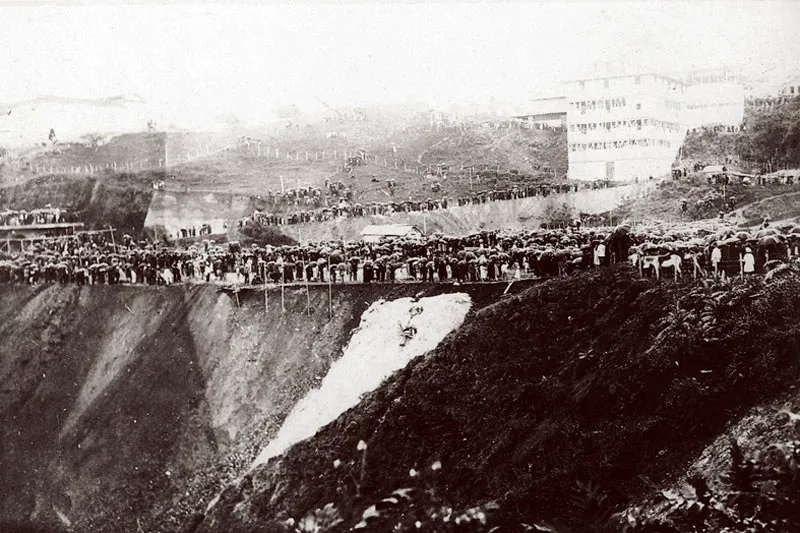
[714,97]
[624,126]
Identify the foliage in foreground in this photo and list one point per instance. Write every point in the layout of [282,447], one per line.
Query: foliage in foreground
[760,492]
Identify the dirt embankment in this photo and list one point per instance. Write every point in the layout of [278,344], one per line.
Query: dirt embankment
[463,220]
[129,408]
[173,210]
[120,201]
[602,379]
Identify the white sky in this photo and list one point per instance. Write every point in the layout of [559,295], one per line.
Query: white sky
[208,59]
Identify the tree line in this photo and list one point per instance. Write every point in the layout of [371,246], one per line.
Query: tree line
[769,139]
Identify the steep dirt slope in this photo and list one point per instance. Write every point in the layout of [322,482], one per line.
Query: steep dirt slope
[463,220]
[129,408]
[121,200]
[114,398]
[602,379]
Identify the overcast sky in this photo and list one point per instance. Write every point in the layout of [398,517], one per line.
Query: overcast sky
[209,59]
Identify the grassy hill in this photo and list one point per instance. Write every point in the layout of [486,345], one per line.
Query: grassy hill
[523,156]
[132,152]
[752,202]
[484,146]
[131,147]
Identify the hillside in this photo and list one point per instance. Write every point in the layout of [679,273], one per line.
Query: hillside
[123,154]
[247,173]
[129,408]
[767,141]
[561,404]
[307,159]
[120,200]
[486,146]
[750,202]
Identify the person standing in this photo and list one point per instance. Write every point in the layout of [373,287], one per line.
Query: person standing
[749,262]
[716,259]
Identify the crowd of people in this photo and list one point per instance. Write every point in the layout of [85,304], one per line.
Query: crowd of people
[345,207]
[482,257]
[21,217]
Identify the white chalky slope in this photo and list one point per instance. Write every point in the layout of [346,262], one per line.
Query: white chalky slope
[374,352]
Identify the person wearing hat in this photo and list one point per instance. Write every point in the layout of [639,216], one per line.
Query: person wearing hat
[716,259]
[599,254]
[748,261]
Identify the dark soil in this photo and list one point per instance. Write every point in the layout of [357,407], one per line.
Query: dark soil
[558,385]
[120,201]
[189,384]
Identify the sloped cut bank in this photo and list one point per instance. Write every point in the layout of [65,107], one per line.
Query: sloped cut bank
[377,349]
[563,403]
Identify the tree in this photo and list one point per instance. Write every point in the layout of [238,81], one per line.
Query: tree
[52,137]
[766,132]
[151,126]
[772,136]
[791,140]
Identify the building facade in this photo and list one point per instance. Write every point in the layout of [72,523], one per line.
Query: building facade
[542,113]
[624,126]
[714,97]
[790,88]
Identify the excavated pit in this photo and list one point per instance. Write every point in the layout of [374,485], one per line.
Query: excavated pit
[127,407]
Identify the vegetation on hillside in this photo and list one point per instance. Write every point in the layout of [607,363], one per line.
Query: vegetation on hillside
[759,492]
[584,386]
[769,140]
[485,146]
[751,203]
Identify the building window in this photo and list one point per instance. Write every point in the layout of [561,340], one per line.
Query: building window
[638,106]
[605,84]
[637,80]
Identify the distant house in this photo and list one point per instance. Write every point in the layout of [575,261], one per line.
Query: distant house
[544,113]
[375,233]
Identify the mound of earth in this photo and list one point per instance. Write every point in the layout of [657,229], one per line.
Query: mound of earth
[127,409]
[562,404]
[120,201]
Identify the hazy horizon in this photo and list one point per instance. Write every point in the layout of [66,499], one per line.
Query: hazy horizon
[195,63]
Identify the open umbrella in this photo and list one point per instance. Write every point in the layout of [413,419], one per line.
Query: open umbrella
[770,240]
[725,233]
[766,232]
